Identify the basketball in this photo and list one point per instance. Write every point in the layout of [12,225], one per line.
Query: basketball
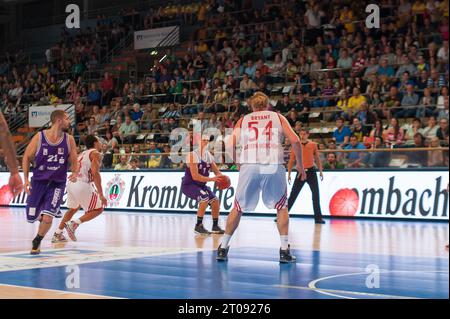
[223,183]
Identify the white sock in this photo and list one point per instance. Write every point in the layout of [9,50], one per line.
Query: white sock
[58,231]
[225,241]
[284,242]
[77,221]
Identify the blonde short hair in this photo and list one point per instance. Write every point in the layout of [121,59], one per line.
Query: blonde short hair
[259,101]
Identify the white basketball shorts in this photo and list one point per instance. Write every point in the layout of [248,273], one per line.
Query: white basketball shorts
[84,195]
[256,179]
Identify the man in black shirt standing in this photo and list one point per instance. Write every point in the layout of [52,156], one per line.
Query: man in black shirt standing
[359,130]
[283,106]
[239,108]
[302,107]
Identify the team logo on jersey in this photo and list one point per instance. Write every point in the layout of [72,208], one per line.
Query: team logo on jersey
[115,188]
[45,151]
[60,151]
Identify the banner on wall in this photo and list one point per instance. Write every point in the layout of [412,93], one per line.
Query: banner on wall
[383,194]
[39,116]
[153,38]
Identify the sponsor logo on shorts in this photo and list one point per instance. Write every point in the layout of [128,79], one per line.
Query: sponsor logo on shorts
[115,188]
[56,197]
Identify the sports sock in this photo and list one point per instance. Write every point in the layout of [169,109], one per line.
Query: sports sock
[215,222]
[38,239]
[58,231]
[199,221]
[284,242]
[225,241]
[78,221]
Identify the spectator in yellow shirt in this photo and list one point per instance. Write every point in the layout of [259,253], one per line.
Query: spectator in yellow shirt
[123,165]
[154,160]
[346,18]
[201,15]
[418,10]
[443,8]
[342,104]
[202,47]
[354,103]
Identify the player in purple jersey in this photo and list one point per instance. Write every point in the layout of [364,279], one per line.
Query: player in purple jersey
[50,151]
[199,163]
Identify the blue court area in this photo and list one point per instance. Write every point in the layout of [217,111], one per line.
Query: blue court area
[250,273]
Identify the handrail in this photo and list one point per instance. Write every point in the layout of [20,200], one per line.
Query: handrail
[123,43]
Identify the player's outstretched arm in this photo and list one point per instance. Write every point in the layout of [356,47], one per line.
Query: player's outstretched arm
[28,156]
[231,142]
[73,157]
[8,146]
[290,164]
[296,146]
[15,181]
[96,159]
[215,169]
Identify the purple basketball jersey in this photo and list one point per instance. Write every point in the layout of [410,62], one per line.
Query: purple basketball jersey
[203,166]
[51,160]
[197,190]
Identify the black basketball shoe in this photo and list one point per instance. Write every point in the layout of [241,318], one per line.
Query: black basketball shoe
[36,247]
[200,230]
[286,257]
[217,230]
[222,253]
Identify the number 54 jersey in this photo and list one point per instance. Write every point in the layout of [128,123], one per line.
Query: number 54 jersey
[261,139]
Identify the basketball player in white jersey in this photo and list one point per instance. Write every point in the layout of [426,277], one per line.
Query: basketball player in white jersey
[82,193]
[262,170]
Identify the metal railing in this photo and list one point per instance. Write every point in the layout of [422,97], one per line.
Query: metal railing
[436,157]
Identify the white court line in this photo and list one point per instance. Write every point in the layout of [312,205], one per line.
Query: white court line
[329,292]
[61,292]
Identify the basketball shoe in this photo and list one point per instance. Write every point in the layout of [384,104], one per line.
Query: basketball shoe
[59,238]
[71,227]
[286,256]
[222,253]
[200,230]
[217,230]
